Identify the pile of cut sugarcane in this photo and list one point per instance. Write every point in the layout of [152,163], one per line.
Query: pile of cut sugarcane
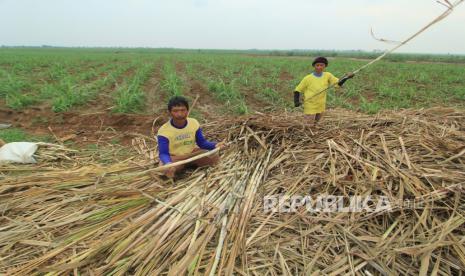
[124,219]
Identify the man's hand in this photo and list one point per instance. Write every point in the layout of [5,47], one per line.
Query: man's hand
[170,172]
[221,145]
[345,78]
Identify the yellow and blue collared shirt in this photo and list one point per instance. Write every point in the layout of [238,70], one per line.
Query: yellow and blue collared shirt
[174,140]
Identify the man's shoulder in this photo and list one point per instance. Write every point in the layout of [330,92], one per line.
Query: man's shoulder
[164,128]
[328,74]
[309,78]
[192,122]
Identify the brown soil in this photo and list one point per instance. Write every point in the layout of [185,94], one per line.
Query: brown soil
[253,100]
[155,98]
[180,66]
[206,104]
[285,76]
[369,95]
[88,127]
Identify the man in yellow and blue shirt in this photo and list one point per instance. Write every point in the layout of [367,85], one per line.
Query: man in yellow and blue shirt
[181,138]
[314,86]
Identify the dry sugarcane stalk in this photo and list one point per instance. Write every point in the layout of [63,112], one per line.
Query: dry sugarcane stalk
[119,219]
[182,162]
[193,104]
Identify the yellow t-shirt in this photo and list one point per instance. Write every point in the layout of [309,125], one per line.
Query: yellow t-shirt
[311,85]
[181,140]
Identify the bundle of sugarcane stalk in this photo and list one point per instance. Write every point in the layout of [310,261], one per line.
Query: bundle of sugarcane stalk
[52,152]
[125,219]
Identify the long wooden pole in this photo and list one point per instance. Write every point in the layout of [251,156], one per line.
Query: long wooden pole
[182,162]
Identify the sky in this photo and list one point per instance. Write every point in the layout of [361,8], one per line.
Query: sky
[232,24]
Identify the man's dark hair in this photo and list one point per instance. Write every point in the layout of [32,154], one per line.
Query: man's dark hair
[177,101]
[320,60]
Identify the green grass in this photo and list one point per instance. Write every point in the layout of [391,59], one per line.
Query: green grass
[68,96]
[13,135]
[130,97]
[18,100]
[229,95]
[369,107]
[171,82]
[16,91]
[19,135]
[62,79]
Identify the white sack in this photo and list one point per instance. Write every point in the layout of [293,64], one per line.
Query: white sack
[18,152]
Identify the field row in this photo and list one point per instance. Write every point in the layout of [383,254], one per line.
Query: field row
[140,82]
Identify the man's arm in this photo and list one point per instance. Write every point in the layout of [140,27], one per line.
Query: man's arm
[202,142]
[298,90]
[297,102]
[344,79]
[164,149]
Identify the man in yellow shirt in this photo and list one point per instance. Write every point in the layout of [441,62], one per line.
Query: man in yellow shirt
[314,86]
[181,138]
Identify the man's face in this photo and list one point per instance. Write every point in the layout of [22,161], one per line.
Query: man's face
[320,67]
[179,112]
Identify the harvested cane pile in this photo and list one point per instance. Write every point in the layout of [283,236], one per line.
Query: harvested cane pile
[124,219]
